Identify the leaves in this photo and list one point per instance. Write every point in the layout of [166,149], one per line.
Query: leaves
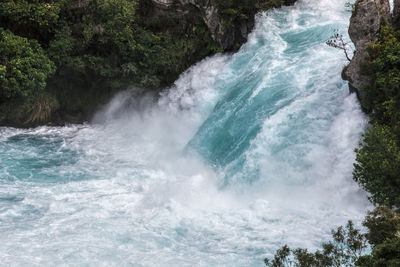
[347,246]
[378,166]
[24,66]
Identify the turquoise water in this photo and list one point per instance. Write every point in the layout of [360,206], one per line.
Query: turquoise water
[246,152]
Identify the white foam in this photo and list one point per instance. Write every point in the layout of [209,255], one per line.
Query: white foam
[125,191]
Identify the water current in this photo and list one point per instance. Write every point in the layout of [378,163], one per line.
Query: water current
[245,153]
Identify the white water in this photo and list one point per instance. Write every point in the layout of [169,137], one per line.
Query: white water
[244,154]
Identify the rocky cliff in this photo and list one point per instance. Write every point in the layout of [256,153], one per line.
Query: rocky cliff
[230,28]
[229,32]
[365,23]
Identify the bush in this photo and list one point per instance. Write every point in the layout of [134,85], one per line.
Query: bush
[385,70]
[33,19]
[24,66]
[97,48]
[378,159]
[378,166]
[383,255]
[347,246]
[383,224]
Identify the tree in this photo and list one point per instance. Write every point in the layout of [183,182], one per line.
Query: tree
[347,246]
[383,224]
[377,168]
[386,254]
[24,66]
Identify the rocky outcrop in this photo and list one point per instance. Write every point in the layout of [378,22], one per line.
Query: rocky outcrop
[229,31]
[365,24]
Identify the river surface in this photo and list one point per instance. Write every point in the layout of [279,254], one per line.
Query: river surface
[245,153]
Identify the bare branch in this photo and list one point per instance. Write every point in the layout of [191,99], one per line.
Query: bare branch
[337,41]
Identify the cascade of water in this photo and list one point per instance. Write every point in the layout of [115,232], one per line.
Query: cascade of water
[244,153]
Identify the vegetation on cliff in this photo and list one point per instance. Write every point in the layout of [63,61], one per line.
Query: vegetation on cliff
[79,52]
[24,68]
[75,54]
[378,159]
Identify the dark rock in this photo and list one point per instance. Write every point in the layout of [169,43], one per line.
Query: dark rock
[290,2]
[396,13]
[365,24]
[228,33]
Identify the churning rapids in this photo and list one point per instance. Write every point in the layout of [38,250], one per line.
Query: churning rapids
[246,152]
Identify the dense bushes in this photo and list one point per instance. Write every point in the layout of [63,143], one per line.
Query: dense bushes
[79,52]
[378,165]
[24,66]
[348,247]
[89,49]
[242,7]
[378,159]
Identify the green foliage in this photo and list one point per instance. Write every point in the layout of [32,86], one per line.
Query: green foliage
[386,254]
[347,246]
[38,12]
[383,224]
[33,19]
[234,8]
[384,235]
[385,63]
[378,165]
[378,159]
[98,47]
[24,66]
[281,257]
[266,5]
[83,51]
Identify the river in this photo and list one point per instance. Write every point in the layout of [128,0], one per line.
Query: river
[245,153]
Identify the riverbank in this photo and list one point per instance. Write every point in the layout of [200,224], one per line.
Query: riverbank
[62,60]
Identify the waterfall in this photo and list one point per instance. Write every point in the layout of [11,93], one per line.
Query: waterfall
[244,153]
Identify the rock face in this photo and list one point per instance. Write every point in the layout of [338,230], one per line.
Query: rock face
[396,13]
[365,24]
[229,32]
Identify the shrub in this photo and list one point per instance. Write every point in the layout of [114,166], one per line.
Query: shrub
[24,66]
[382,223]
[347,246]
[378,166]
